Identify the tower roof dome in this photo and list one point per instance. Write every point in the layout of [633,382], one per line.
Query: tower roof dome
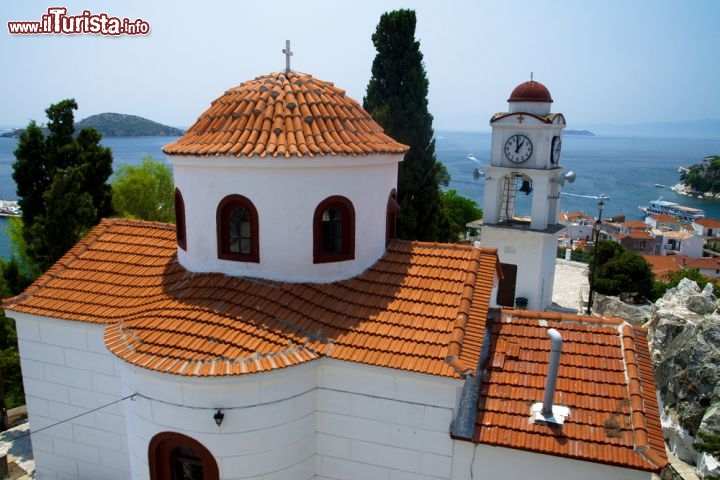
[284,114]
[530,91]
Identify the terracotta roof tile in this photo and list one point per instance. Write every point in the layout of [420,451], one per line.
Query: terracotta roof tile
[285,114]
[422,307]
[401,313]
[634,224]
[605,378]
[707,222]
[661,217]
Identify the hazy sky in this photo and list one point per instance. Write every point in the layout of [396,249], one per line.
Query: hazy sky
[605,61]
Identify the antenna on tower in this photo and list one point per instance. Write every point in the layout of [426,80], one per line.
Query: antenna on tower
[531,76]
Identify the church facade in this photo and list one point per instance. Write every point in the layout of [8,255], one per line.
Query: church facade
[279,330]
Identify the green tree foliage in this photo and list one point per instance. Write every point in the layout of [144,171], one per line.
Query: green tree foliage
[708,443]
[396,98]
[62,183]
[12,282]
[672,279]
[621,271]
[145,191]
[577,255]
[27,266]
[459,211]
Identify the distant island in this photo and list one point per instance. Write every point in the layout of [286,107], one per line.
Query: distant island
[586,133]
[118,125]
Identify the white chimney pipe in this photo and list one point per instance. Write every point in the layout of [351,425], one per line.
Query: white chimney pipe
[551,380]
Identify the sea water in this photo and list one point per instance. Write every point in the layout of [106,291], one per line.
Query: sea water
[625,169]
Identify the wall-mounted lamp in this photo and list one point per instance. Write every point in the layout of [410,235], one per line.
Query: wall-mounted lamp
[218,417]
[564,177]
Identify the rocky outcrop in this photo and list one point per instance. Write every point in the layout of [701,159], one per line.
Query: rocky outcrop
[684,332]
[614,307]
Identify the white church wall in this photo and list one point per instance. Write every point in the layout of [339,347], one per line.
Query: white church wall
[383,424]
[68,372]
[499,463]
[285,193]
[268,430]
[325,419]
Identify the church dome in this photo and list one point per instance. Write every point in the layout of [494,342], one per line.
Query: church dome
[284,114]
[285,178]
[531,91]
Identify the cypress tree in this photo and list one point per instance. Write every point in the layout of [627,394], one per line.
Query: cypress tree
[396,98]
[61,183]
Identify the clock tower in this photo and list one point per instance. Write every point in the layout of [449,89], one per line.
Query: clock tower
[525,170]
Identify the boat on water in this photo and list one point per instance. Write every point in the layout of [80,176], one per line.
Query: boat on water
[9,208]
[665,207]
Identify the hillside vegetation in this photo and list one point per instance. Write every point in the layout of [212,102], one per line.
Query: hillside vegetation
[116,125]
[703,177]
[120,125]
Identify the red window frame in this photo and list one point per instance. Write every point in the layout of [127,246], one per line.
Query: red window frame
[180,228]
[337,230]
[224,229]
[162,453]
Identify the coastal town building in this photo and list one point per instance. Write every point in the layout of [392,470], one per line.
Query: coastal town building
[659,234]
[663,222]
[682,243]
[578,226]
[709,229]
[636,240]
[280,330]
[664,264]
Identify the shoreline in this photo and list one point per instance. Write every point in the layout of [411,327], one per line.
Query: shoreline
[682,189]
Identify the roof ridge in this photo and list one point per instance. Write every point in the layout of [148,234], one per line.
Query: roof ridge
[638,402]
[470,328]
[566,318]
[458,332]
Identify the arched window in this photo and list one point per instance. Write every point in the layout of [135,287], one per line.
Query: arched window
[173,456]
[391,217]
[334,230]
[237,230]
[180,231]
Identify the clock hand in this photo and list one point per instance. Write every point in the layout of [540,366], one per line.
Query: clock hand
[518,144]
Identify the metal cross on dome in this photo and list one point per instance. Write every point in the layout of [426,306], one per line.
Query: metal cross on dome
[288,53]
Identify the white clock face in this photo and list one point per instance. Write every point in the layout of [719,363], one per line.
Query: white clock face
[556,145]
[518,148]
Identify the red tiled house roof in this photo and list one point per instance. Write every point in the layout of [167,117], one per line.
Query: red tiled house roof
[605,378]
[662,264]
[421,307]
[634,225]
[709,223]
[702,263]
[662,217]
[284,114]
